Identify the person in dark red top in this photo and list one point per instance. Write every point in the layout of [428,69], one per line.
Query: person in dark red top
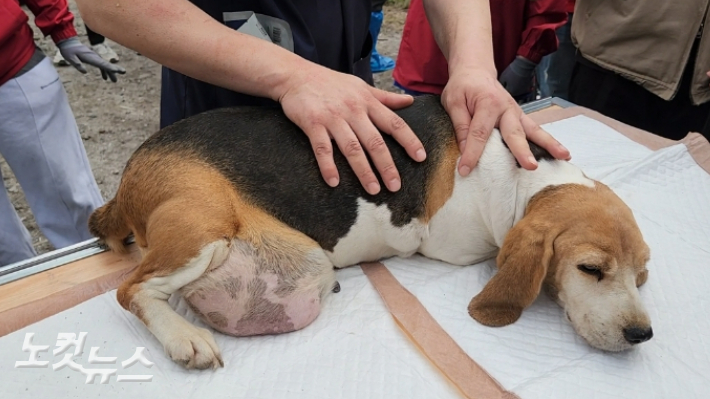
[39,137]
[523,33]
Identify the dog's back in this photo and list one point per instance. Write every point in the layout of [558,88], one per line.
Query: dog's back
[271,162]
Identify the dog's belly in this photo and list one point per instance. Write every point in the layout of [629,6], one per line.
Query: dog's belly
[373,237]
[244,296]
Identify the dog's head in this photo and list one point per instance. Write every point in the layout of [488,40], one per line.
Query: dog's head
[583,246]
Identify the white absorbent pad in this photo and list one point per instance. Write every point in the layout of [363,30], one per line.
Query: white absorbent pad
[354,349]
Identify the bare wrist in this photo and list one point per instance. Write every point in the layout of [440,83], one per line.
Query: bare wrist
[296,74]
[472,67]
[472,56]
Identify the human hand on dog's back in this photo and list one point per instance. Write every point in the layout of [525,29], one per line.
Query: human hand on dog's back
[326,104]
[476,103]
[474,99]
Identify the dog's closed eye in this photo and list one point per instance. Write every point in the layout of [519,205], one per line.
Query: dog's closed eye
[592,271]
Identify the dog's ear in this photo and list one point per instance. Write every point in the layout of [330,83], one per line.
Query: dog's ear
[522,266]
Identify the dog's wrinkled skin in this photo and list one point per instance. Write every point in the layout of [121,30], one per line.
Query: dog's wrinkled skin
[229,210]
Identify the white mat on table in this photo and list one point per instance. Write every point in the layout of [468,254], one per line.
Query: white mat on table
[355,350]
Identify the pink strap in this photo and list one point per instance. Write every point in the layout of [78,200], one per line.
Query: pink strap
[438,346]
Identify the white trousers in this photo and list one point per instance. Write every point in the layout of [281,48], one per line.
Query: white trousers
[41,143]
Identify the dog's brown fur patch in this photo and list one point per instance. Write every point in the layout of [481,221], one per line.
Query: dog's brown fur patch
[440,185]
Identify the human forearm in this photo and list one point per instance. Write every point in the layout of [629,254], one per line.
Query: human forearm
[182,37]
[462,30]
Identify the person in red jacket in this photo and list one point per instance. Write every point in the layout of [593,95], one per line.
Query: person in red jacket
[39,138]
[523,33]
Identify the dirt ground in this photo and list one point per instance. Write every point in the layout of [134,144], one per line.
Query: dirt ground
[114,119]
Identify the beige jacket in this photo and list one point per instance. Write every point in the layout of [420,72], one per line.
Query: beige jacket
[646,41]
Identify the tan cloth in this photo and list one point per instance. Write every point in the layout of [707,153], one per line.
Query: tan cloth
[646,41]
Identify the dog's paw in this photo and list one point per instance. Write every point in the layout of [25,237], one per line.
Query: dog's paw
[194,348]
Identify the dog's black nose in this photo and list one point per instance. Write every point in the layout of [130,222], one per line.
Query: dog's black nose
[636,335]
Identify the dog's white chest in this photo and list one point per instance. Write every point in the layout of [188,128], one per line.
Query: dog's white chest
[373,237]
[463,231]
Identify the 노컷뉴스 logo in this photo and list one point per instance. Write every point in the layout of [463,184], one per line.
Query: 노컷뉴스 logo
[67,340]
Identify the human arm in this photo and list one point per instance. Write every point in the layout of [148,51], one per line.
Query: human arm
[322,102]
[473,97]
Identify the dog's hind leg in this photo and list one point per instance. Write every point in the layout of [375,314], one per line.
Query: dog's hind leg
[184,239]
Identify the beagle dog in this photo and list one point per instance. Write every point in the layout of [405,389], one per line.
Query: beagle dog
[230,211]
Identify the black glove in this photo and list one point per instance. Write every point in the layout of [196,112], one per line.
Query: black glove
[517,78]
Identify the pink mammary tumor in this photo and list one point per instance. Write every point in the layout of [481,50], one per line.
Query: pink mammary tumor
[242,297]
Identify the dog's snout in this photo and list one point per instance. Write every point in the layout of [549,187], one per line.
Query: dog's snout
[637,335]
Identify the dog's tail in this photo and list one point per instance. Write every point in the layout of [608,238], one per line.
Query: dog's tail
[107,224]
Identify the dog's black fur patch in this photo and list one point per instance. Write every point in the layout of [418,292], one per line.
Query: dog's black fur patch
[538,152]
[271,161]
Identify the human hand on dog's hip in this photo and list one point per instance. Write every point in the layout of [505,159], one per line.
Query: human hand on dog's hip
[327,104]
